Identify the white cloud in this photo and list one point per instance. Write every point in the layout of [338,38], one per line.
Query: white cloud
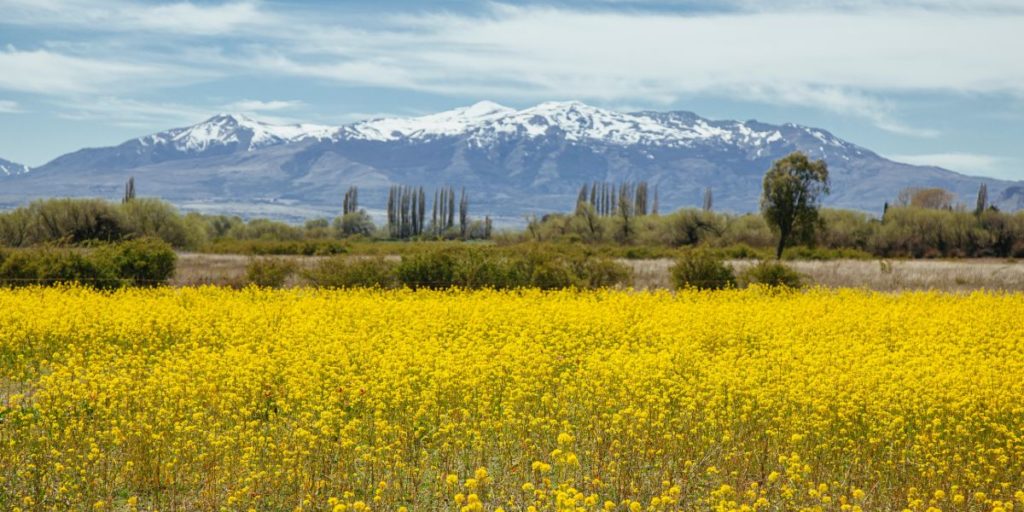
[848,57]
[9,107]
[840,101]
[131,113]
[263,106]
[48,72]
[844,61]
[967,163]
[186,18]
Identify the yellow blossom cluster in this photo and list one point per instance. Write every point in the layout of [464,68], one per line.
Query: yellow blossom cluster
[352,401]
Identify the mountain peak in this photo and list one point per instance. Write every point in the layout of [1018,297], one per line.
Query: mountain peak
[227,129]
[9,168]
[484,108]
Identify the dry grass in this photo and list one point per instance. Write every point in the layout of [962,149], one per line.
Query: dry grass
[882,275]
[196,269]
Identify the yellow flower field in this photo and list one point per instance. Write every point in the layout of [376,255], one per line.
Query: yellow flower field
[213,399]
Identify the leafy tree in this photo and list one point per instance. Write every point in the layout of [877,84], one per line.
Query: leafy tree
[930,198]
[355,223]
[793,188]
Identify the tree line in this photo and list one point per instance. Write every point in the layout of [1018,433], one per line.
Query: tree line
[921,222]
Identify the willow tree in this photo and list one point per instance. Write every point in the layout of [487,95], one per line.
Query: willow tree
[793,189]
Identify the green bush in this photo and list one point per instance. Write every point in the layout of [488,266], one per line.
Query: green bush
[353,271]
[482,269]
[311,247]
[432,269]
[269,272]
[702,270]
[600,272]
[153,218]
[354,223]
[144,261]
[772,273]
[552,274]
[48,266]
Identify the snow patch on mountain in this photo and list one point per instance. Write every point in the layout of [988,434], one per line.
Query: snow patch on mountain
[448,123]
[8,168]
[229,129]
[487,122]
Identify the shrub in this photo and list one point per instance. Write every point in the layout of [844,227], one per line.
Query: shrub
[269,272]
[551,274]
[349,272]
[432,269]
[702,270]
[157,219]
[354,223]
[144,261]
[480,269]
[772,273]
[313,247]
[604,273]
[47,266]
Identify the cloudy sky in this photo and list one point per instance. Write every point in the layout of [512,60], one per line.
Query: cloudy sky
[924,81]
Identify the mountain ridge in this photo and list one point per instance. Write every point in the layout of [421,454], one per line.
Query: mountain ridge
[513,162]
[9,168]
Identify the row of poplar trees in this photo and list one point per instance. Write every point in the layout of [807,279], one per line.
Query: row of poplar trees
[609,200]
[407,208]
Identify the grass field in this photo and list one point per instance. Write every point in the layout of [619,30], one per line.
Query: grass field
[217,399]
[881,275]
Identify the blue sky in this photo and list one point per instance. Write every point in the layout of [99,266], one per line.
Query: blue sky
[925,81]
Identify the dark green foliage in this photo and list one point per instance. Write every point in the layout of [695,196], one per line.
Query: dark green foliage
[48,266]
[703,270]
[479,269]
[771,273]
[793,188]
[312,247]
[552,274]
[353,271]
[269,272]
[508,268]
[142,262]
[429,269]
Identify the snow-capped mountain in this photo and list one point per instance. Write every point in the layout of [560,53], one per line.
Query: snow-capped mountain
[487,123]
[512,162]
[234,131]
[8,168]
